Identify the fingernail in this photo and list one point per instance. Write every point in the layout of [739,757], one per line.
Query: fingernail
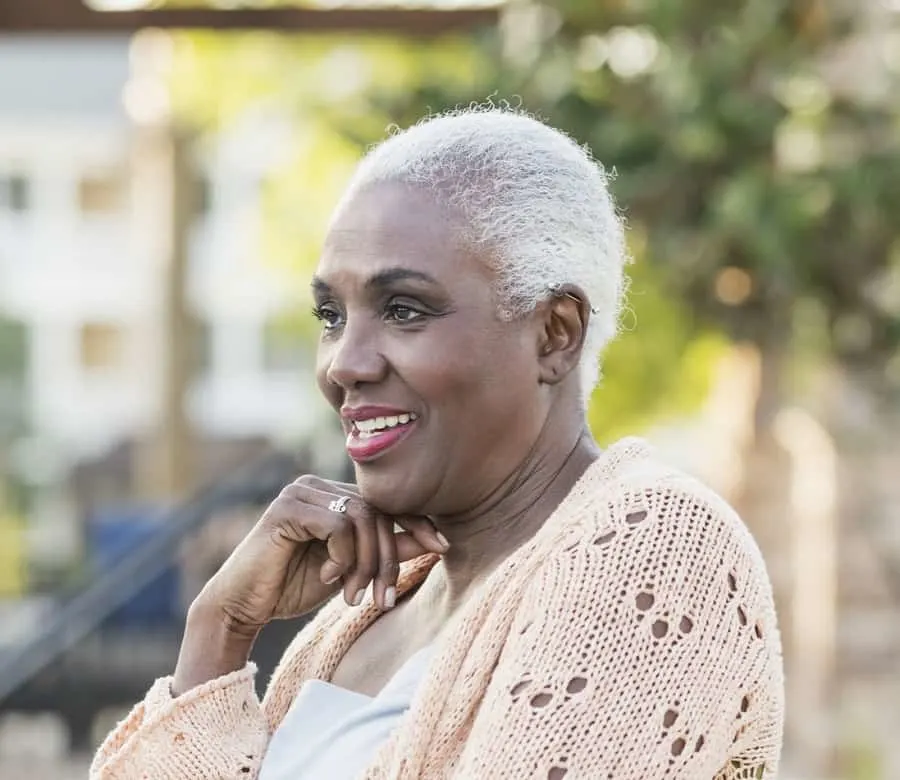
[328,577]
[443,540]
[360,595]
[390,597]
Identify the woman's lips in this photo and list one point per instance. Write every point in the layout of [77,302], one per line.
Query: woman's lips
[368,446]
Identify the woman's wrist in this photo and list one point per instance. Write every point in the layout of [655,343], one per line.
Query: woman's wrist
[209,649]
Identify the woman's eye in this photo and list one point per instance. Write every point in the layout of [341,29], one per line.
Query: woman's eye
[400,313]
[328,316]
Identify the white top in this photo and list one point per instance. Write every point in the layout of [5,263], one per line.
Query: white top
[333,733]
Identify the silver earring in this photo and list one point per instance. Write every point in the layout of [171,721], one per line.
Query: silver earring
[557,291]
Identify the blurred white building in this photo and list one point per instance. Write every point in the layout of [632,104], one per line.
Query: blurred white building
[75,270]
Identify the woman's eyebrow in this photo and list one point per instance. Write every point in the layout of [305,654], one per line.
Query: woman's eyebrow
[379,280]
[319,287]
[390,276]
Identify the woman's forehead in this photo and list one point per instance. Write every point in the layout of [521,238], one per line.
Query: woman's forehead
[395,213]
[392,226]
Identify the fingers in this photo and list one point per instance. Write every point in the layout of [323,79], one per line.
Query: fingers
[366,565]
[327,486]
[346,487]
[424,532]
[307,512]
[408,547]
[362,545]
[385,585]
[419,526]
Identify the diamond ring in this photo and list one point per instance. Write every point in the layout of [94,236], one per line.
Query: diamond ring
[339,505]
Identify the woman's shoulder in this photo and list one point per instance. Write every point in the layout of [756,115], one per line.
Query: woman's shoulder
[654,588]
[633,504]
[645,545]
[630,482]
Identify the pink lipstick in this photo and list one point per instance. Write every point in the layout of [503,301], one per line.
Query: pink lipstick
[375,429]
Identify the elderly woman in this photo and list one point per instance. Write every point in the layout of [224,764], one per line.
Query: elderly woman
[561,611]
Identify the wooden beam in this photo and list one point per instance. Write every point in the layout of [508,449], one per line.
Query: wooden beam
[72,16]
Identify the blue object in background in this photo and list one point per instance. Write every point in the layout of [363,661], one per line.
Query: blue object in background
[111,534]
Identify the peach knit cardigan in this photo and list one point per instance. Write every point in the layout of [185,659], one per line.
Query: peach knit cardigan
[632,638]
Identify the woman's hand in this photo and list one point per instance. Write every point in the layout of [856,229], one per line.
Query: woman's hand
[302,551]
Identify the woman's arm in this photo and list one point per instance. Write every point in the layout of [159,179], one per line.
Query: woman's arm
[214,732]
[215,728]
[206,721]
[648,650]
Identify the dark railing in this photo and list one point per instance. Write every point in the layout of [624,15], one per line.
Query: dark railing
[76,645]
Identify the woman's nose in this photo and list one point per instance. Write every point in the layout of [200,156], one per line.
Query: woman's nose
[355,357]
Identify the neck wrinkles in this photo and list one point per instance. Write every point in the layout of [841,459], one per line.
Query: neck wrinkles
[483,537]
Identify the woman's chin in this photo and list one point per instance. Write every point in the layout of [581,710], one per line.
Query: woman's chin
[391,496]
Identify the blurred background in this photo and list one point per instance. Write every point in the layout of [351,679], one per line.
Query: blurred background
[166,172]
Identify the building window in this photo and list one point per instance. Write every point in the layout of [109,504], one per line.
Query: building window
[101,192]
[284,347]
[102,346]
[15,193]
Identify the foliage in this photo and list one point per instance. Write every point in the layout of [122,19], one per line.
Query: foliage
[659,366]
[763,174]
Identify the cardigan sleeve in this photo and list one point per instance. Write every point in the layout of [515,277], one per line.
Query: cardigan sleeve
[216,731]
[647,648]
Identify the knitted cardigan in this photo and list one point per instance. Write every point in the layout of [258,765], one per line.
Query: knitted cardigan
[632,638]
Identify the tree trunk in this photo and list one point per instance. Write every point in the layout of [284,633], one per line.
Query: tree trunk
[786,496]
[762,495]
[166,455]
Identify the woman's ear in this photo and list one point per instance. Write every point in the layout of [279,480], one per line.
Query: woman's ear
[564,321]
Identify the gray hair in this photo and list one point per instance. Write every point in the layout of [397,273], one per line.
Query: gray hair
[531,198]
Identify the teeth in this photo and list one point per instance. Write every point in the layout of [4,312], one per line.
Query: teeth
[374,424]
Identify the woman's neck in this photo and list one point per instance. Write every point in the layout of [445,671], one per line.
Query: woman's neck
[485,536]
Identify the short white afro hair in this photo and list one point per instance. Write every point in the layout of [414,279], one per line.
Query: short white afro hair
[533,199]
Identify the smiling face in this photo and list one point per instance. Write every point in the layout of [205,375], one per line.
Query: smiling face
[440,398]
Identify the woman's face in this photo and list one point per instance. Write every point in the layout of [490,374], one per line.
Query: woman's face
[438,396]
